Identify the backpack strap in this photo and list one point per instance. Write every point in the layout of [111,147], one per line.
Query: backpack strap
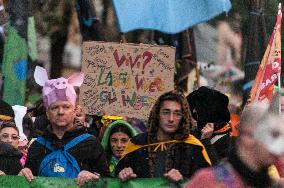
[41,140]
[77,140]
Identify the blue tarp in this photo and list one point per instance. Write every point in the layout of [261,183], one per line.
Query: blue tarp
[169,16]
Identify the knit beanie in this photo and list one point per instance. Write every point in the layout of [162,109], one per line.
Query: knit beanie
[6,111]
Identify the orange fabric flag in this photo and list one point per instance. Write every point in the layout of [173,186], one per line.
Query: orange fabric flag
[235,120]
[270,67]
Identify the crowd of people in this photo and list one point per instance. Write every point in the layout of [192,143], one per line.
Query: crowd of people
[187,138]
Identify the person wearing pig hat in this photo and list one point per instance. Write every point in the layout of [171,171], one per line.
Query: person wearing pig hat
[81,155]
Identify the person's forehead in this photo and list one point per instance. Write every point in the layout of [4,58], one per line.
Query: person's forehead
[119,135]
[60,103]
[10,130]
[168,104]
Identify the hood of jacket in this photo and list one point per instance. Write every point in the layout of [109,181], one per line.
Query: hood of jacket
[105,139]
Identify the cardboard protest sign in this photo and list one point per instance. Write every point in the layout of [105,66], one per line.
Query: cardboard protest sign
[125,79]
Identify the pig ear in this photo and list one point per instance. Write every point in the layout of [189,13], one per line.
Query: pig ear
[76,79]
[40,75]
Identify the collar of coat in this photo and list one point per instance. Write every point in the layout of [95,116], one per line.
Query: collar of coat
[163,146]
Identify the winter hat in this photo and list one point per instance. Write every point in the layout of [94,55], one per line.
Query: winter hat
[209,106]
[6,111]
[60,89]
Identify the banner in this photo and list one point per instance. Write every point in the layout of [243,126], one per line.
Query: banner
[44,182]
[270,67]
[19,45]
[169,16]
[125,79]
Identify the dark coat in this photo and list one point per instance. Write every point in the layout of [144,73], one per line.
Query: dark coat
[88,153]
[10,159]
[187,158]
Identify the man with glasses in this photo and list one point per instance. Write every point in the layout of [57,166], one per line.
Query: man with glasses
[167,149]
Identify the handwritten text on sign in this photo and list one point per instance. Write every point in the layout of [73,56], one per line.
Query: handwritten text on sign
[125,79]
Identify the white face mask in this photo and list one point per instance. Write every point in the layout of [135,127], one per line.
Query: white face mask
[270,132]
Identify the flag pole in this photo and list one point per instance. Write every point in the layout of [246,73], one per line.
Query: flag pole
[279,90]
[279,81]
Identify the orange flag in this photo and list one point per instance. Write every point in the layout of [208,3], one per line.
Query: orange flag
[270,67]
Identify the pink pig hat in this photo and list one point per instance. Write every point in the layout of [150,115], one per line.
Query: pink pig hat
[60,89]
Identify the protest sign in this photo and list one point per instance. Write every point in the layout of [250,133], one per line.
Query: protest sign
[125,79]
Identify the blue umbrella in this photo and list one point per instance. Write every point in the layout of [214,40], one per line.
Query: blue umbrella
[168,16]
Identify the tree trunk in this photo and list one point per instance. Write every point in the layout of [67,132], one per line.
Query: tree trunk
[256,44]
[58,40]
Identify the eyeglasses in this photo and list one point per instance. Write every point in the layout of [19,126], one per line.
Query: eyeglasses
[168,113]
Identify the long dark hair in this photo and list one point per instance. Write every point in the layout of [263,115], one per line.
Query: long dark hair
[182,132]
[185,123]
